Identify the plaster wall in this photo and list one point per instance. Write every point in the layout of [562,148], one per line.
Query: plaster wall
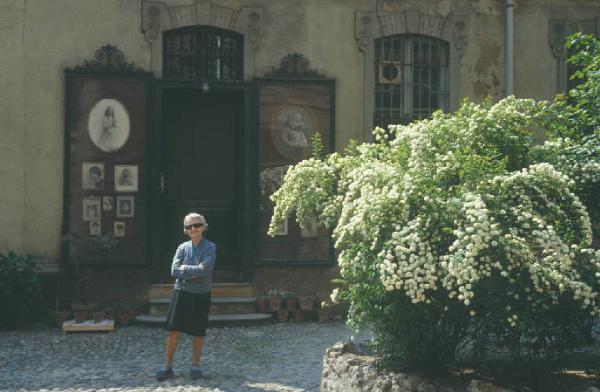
[535,67]
[42,38]
[12,111]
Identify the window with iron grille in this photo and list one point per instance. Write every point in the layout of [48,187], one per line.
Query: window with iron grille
[411,78]
[203,52]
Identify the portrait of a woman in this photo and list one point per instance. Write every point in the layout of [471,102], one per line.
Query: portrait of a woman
[108,125]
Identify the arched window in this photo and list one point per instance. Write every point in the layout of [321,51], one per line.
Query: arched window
[411,78]
[203,52]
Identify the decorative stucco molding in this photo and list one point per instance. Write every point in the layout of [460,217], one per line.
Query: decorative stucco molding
[157,17]
[369,25]
[363,27]
[294,65]
[110,59]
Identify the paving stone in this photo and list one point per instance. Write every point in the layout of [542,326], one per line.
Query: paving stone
[277,357]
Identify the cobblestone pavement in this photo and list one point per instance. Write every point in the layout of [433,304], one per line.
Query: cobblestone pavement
[277,357]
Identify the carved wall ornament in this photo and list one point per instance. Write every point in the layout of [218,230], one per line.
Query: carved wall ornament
[459,37]
[109,59]
[443,8]
[254,29]
[183,15]
[364,26]
[294,65]
[557,33]
[152,22]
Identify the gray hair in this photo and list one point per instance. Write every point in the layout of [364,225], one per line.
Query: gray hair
[196,216]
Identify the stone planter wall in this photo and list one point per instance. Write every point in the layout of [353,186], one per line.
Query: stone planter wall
[345,370]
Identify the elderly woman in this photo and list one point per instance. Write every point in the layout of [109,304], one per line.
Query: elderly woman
[190,303]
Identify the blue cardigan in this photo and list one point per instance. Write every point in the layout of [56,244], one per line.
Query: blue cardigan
[198,265]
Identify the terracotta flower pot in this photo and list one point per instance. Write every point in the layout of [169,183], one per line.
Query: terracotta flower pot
[307,302]
[323,315]
[299,316]
[291,303]
[124,317]
[60,316]
[275,302]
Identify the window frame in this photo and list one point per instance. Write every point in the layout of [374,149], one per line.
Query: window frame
[203,53]
[401,100]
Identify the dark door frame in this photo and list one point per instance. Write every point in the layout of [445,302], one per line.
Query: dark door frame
[249,175]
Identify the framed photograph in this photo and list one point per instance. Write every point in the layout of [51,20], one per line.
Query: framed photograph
[108,125]
[126,178]
[119,229]
[95,228]
[282,229]
[108,203]
[310,230]
[125,206]
[91,209]
[92,175]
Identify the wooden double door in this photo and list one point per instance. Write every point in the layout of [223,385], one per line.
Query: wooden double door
[209,165]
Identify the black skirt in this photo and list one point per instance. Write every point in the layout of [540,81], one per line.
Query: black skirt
[188,312]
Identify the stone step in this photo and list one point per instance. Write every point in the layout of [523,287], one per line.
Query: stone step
[219,305]
[213,319]
[163,290]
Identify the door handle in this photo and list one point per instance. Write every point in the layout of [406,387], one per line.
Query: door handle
[162,183]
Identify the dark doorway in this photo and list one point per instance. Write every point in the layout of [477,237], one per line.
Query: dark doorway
[202,136]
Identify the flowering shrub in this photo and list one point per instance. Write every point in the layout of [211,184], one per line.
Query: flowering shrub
[455,229]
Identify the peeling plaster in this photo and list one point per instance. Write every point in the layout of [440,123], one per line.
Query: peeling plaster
[486,81]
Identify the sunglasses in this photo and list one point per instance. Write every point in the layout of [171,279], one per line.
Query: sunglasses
[193,225]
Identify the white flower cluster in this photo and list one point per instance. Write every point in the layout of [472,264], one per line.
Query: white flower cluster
[449,203]
[578,161]
[409,263]
[464,263]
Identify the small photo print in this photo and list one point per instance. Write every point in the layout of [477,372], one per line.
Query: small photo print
[282,228]
[95,227]
[92,175]
[126,178]
[310,230]
[91,208]
[125,206]
[108,203]
[119,229]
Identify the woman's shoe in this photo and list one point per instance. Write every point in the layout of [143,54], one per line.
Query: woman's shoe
[195,372]
[164,374]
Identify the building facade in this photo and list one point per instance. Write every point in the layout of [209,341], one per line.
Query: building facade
[206,103]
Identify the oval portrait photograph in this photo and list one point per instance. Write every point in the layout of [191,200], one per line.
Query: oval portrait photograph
[291,129]
[108,125]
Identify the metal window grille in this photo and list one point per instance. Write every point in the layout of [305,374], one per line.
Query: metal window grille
[203,52]
[411,78]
